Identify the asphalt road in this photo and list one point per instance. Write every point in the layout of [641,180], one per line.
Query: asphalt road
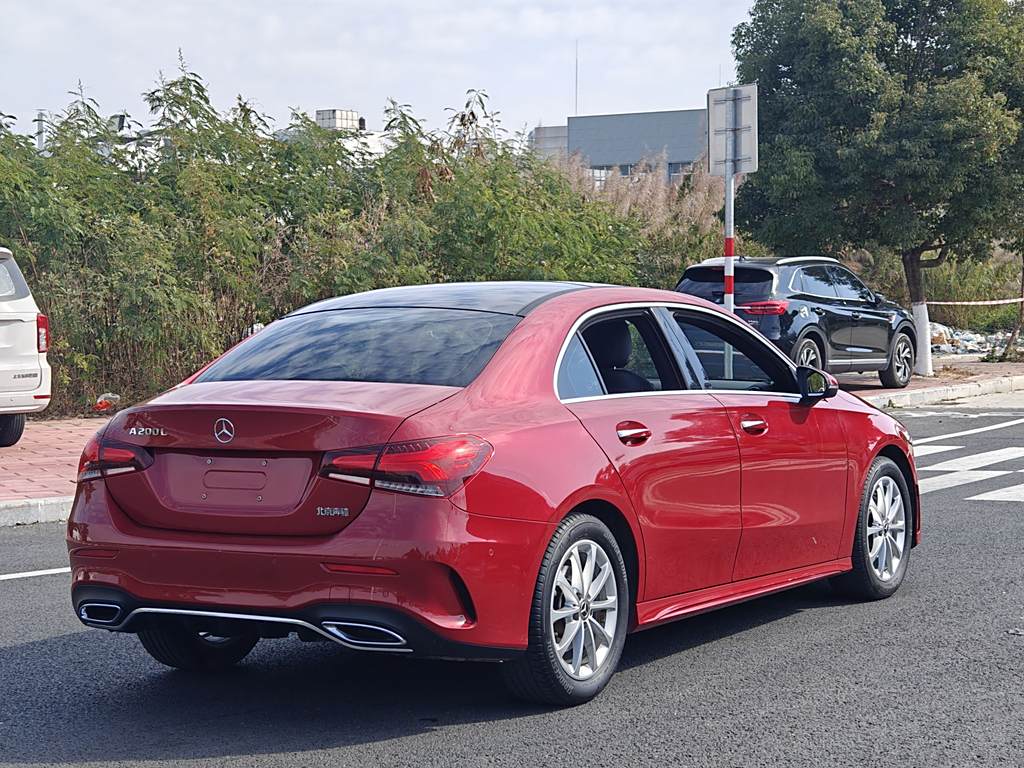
[932,677]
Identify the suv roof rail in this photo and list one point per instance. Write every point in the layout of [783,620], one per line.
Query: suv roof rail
[796,259]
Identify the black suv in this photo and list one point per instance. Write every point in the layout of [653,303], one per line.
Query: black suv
[816,311]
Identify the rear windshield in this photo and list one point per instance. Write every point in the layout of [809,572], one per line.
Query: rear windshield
[446,347]
[12,284]
[707,283]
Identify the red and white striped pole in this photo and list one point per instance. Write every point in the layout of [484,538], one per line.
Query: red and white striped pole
[730,240]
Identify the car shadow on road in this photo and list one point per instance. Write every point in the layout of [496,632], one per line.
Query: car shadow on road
[88,696]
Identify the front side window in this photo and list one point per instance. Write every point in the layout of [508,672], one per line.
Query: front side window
[729,358]
[446,347]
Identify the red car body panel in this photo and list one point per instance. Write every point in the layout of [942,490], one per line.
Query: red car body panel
[714,514]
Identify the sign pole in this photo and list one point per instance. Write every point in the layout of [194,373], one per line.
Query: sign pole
[730,243]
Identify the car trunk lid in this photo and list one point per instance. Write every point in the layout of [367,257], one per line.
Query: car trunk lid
[244,457]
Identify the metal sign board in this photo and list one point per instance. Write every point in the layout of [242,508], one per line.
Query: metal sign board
[732,130]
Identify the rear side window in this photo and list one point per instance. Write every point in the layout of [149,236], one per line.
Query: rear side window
[630,354]
[402,345]
[708,283]
[12,284]
[816,281]
[577,376]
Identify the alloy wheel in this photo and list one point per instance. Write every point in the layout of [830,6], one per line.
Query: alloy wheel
[887,528]
[809,355]
[903,359]
[584,609]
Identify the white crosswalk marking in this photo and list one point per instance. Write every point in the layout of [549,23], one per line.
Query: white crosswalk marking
[977,460]
[1013,493]
[928,450]
[953,479]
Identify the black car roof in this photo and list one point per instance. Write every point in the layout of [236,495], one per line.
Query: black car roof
[508,298]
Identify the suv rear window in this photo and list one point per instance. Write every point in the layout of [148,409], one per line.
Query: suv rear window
[402,345]
[12,284]
[707,283]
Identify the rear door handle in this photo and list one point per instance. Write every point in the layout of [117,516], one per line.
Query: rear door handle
[819,311]
[855,315]
[632,432]
[753,425]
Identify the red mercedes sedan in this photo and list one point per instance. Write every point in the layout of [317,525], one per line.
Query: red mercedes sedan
[519,472]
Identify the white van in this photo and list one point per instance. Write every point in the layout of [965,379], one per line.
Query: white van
[24,339]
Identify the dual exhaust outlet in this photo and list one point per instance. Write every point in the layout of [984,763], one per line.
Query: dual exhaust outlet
[351,634]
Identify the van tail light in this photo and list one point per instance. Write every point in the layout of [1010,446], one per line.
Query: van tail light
[42,333]
[765,307]
[102,458]
[436,466]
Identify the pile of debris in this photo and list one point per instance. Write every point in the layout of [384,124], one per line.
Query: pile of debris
[954,341]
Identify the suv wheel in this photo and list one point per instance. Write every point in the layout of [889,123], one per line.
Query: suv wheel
[176,644]
[901,364]
[808,353]
[12,427]
[578,619]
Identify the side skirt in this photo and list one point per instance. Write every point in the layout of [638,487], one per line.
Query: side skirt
[654,612]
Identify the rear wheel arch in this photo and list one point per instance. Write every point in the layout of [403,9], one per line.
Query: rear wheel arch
[818,337]
[909,331]
[621,529]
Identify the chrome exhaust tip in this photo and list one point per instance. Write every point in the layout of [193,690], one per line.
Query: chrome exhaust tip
[100,613]
[368,636]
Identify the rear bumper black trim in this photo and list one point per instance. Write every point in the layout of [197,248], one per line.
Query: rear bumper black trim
[420,641]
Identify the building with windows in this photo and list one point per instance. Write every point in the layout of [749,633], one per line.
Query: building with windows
[623,141]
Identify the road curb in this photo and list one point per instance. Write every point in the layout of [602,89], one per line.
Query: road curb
[28,511]
[933,395]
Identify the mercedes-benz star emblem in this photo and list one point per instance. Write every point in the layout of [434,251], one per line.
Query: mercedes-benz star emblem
[223,430]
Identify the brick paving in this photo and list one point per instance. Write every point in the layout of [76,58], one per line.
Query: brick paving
[44,462]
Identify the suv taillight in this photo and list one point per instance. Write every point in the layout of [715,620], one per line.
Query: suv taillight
[42,333]
[765,307]
[102,459]
[436,466]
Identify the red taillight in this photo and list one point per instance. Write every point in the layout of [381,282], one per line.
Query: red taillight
[42,333]
[765,307]
[103,459]
[437,466]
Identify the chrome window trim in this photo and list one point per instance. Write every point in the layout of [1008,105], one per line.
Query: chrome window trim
[610,308]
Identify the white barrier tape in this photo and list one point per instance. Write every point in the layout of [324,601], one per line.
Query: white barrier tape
[990,302]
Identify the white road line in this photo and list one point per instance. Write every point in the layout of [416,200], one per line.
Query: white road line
[953,479]
[1013,493]
[977,460]
[989,428]
[30,574]
[928,450]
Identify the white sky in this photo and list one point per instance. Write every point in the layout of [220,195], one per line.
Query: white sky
[635,55]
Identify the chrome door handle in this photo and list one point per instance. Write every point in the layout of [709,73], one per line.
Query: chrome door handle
[632,433]
[753,425]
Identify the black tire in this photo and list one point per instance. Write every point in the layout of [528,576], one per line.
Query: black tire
[864,582]
[901,363]
[176,644]
[12,427]
[538,676]
[809,348]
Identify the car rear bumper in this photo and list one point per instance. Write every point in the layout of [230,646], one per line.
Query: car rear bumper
[450,583]
[30,400]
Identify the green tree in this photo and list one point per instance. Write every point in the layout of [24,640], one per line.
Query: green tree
[892,123]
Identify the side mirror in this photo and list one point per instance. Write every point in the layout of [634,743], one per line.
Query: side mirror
[815,385]
[879,297]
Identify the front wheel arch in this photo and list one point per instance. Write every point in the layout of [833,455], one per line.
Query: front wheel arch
[899,458]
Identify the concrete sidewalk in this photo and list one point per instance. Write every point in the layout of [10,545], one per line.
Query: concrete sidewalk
[37,476]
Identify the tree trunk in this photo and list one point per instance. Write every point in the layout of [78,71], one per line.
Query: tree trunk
[1010,353]
[915,287]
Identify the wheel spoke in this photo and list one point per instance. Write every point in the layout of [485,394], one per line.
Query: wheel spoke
[598,627]
[876,547]
[603,605]
[588,570]
[894,547]
[577,650]
[567,590]
[572,631]
[558,614]
[576,568]
[897,525]
[874,529]
[598,584]
[590,645]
